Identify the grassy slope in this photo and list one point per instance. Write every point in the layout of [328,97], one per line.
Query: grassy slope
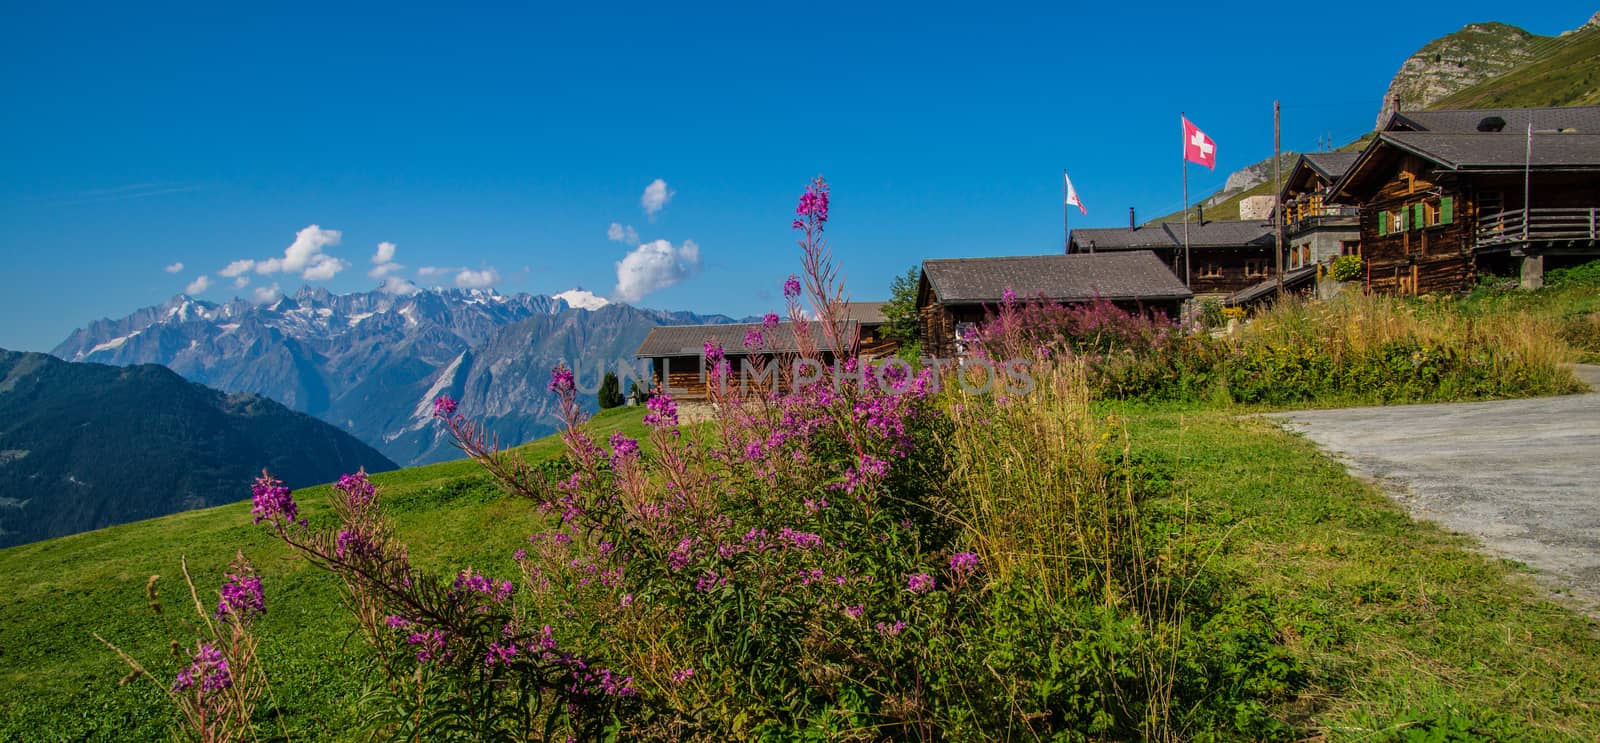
[1567,73]
[61,684]
[1399,623]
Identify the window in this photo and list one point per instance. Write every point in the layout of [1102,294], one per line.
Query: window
[1210,271]
[1350,247]
[1305,254]
[1255,267]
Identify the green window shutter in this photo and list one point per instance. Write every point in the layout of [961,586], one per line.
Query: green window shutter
[1421,215]
[1447,207]
[1383,223]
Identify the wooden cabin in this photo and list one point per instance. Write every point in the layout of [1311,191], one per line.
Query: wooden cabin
[1439,207]
[956,295]
[1224,255]
[677,352]
[1315,231]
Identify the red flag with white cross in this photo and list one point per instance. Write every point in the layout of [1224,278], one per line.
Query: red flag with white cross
[1197,147]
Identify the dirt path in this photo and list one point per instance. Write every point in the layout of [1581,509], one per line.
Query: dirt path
[1523,476]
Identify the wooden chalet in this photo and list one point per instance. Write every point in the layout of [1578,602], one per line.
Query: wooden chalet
[1315,231]
[677,352]
[1224,255]
[1441,203]
[955,295]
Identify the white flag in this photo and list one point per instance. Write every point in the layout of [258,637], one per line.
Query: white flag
[1072,195]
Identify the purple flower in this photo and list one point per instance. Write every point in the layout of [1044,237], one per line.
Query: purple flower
[663,411]
[891,630]
[800,539]
[358,491]
[919,583]
[207,669]
[1008,296]
[814,203]
[714,353]
[561,381]
[753,339]
[432,645]
[679,557]
[472,581]
[623,449]
[769,323]
[964,564]
[352,544]
[241,595]
[855,612]
[499,653]
[791,287]
[444,406]
[681,675]
[270,501]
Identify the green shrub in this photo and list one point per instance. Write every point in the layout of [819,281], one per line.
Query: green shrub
[1345,268]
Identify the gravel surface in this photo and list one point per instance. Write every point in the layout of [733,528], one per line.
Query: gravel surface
[1522,476]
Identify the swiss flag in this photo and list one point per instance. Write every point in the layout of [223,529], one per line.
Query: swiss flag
[1197,147]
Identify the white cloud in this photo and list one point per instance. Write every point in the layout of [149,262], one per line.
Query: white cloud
[323,267]
[265,294]
[470,279]
[385,253]
[174,268]
[655,197]
[582,299]
[384,259]
[305,256]
[199,285]
[427,271]
[655,265]
[237,267]
[621,233]
[398,287]
[241,282]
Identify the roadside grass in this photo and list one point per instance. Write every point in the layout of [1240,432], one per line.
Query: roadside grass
[61,684]
[1408,634]
[1570,299]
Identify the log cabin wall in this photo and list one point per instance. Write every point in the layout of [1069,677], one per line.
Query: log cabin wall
[1227,270]
[1416,233]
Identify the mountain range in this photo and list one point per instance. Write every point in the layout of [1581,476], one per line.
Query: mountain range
[83,446]
[371,363]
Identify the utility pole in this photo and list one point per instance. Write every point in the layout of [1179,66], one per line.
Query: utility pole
[1277,194]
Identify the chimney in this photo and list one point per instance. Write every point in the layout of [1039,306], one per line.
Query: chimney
[1132,224]
[1200,213]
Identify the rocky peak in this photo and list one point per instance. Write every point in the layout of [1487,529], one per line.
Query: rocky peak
[1478,52]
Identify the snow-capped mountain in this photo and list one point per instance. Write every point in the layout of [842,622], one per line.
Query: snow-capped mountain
[372,362]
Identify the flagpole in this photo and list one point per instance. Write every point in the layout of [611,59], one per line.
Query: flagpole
[1188,276]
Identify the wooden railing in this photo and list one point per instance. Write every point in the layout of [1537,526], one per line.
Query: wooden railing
[1539,225]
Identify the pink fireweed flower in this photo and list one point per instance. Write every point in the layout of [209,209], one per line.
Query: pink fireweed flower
[627,600]
[207,669]
[813,575]
[444,406]
[714,353]
[357,490]
[352,544]
[499,653]
[663,412]
[270,501]
[769,322]
[472,581]
[919,583]
[814,203]
[623,449]
[519,555]
[791,287]
[678,558]
[561,380]
[752,339]
[891,630]
[681,675]
[964,564]
[709,581]
[396,622]
[855,612]
[431,645]
[800,539]
[241,595]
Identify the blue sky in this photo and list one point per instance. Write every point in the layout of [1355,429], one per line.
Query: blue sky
[504,140]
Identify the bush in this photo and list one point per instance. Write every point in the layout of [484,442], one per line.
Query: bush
[1345,268]
[610,394]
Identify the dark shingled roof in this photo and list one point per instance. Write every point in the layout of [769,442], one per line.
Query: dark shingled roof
[1584,119]
[690,340]
[1330,165]
[1122,238]
[1473,151]
[866,313]
[1077,277]
[1211,234]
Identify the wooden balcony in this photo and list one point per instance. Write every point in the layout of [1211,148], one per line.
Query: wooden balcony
[1305,220]
[1518,229]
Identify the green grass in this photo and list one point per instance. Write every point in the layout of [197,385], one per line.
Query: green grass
[1566,73]
[61,684]
[1402,625]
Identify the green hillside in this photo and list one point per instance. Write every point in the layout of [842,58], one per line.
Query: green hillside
[61,684]
[1566,72]
[84,446]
